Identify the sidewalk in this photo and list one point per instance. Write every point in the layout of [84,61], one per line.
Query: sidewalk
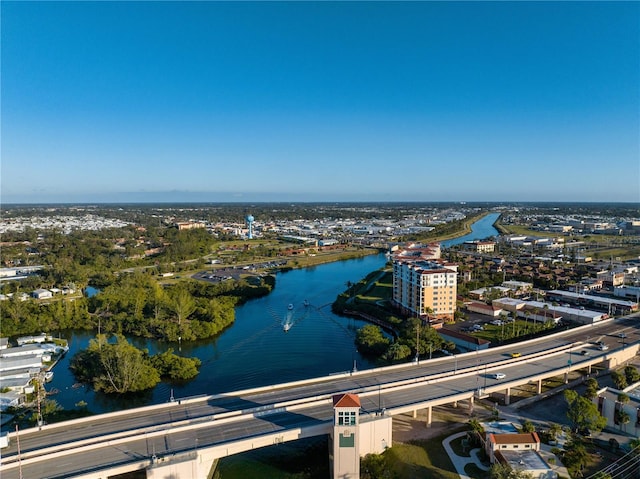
[459,462]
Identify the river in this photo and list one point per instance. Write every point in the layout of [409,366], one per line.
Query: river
[255,350]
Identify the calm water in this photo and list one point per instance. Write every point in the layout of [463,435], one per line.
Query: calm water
[479,230]
[255,350]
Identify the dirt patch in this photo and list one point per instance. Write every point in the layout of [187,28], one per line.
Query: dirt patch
[444,419]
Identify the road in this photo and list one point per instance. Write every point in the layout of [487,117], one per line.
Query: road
[202,422]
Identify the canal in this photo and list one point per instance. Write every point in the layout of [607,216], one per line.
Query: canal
[256,350]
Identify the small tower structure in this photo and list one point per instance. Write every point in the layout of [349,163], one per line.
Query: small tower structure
[250,219]
[345,437]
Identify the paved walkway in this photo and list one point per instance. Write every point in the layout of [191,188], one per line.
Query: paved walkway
[459,462]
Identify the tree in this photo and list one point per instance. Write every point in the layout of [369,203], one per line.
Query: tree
[592,388]
[575,457]
[602,475]
[370,340]
[619,380]
[634,444]
[582,413]
[183,306]
[622,418]
[504,471]
[175,367]
[527,426]
[623,398]
[115,367]
[631,374]
[373,466]
[554,431]
[397,352]
[477,431]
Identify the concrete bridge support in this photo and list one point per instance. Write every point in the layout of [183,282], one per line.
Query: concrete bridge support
[429,415]
[470,405]
[507,397]
[539,384]
[188,466]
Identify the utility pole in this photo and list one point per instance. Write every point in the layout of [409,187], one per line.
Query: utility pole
[19,456]
[417,360]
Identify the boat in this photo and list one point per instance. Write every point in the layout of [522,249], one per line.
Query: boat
[53,392]
[290,307]
[306,303]
[48,376]
[286,327]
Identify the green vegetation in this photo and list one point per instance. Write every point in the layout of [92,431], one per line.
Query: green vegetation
[582,413]
[120,367]
[420,458]
[504,471]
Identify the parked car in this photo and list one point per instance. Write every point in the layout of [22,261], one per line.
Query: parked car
[498,375]
[584,352]
[515,355]
[604,347]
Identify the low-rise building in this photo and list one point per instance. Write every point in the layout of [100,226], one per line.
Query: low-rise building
[40,338]
[42,294]
[484,309]
[463,341]
[519,451]
[621,416]
[26,350]
[480,246]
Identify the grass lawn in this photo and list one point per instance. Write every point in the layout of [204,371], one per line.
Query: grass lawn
[309,459]
[475,472]
[420,459]
[458,448]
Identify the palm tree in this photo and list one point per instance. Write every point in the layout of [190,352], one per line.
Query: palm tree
[622,418]
[554,431]
[635,445]
[545,308]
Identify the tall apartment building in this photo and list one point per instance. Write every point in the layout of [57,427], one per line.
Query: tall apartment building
[424,286]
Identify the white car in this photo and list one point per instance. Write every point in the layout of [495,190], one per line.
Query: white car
[498,375]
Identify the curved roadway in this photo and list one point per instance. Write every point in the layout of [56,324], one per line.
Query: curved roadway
[129,436]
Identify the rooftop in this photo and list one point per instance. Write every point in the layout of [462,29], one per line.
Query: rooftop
[523,460]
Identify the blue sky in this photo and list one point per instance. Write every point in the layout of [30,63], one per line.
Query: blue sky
[306,101]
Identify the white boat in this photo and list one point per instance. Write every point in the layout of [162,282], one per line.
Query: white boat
[290,307]
[48,376]
[306,303]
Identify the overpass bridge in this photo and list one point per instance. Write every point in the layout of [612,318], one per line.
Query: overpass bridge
[192,433]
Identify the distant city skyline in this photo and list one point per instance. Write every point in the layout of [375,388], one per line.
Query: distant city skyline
[320,101]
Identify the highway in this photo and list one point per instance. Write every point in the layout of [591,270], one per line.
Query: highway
[213,421]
